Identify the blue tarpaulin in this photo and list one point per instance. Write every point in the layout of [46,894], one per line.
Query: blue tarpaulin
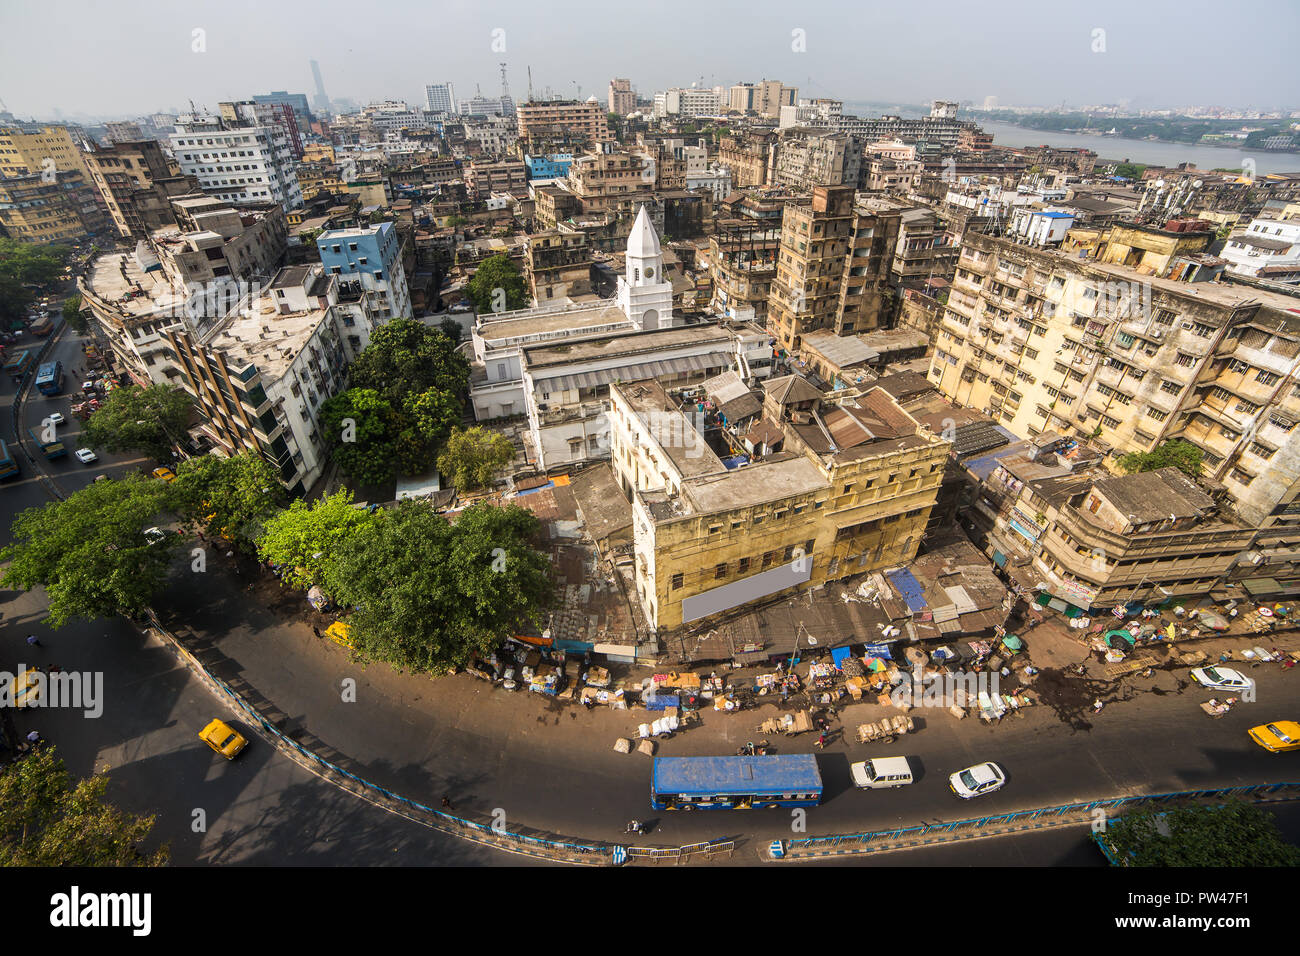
[879,650]
[661,701]
[839,655]
[910,588]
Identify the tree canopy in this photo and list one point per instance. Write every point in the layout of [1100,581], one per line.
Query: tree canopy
[147,420]
[228,497]
[1176,453]
[89,552]
[473,456]
[497,272]
[305,537]
[363,429]
[451,328]
[405,357]
[24,264]
[429,593]
[1234,834]
[73,315]
[47,819]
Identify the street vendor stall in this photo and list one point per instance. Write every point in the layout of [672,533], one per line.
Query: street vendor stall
[789,724]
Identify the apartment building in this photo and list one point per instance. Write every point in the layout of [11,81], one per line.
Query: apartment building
[833,268]
[612,182]
[771,95]
[1046,341]
[565,119]
[741,262]
[138,182]
[751,158]
[260,373]
[440,98]
[368,264]
[1266,249]
[483,179]
[31,150]
[622,98]
[849,491]
[124,132]
[806,158]
[558,266]
[47,208]
[199,268]
[239,160]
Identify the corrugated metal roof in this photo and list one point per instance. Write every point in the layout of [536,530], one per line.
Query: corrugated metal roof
[633,373]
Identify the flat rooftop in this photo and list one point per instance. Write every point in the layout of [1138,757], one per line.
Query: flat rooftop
[769,480]
[106,280]
[626,343]
[596,314]
[265,337]
[675,433]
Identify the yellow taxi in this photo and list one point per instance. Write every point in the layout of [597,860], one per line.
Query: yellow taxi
[338,632]
[27,688]
[166,474]
[223,738]
[1277,736]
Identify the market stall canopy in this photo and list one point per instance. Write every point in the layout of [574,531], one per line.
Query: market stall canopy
[1123,635]
[838,655]
[1012,643]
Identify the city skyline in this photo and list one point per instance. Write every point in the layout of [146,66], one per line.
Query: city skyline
[1067,60]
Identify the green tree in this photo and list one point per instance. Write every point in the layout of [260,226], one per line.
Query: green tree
[473,455]
[47,819]
[73,315]
[89,552]
[455,222]
[228,497]
[1234,834]
[451,328]
[1130,170]
[148,420]
[363,428]
[305,536]
[493,273]
[23,265]
[406,357]
[1176,453]
[430,593]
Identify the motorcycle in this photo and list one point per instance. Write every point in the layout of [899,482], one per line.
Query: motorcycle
[634,827]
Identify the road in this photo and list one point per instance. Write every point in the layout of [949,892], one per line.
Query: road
[546,766]
[261,809]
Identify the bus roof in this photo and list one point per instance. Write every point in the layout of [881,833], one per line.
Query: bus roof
[785,773]
[47,368]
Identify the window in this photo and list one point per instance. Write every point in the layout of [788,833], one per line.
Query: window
[1201,329]
[720,571]
[1124,340]
[743,566]
[1266,378]
[1262,450]
[1170,386]
[1110,422]
[1281,421]
[1157,414]
[677,581]
[1185,360]
[767,558]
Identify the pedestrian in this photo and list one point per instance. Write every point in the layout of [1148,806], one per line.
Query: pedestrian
[1097,705]
[33,640]
[446,803]
[821,741]
[34,738]
[315,630]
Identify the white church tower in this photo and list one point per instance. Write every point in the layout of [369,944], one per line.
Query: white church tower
[644,293]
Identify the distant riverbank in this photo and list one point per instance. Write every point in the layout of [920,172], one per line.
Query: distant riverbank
[1144,151]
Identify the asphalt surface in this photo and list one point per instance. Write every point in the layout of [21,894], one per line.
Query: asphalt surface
[261,809]
[546,767]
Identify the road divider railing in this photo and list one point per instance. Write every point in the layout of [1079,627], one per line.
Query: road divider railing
[1001,824]
[559,851]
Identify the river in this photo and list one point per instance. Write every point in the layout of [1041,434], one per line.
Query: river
[1114,147]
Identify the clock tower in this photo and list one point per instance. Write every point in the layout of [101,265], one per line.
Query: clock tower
[644,293]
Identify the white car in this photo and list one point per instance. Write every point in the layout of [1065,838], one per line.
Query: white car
[977,780]
[55,418]
[86,456]
[154,535]
[1222,678]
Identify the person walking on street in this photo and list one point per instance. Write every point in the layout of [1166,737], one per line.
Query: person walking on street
[34,738]
[446,803]
[33,641]
[821,741]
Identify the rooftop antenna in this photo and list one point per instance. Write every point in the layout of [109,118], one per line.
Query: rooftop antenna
[505,84]
[530,84]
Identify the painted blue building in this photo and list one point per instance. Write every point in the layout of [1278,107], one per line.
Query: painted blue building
[368,263]
[555,166]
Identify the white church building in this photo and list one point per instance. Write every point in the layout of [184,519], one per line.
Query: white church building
[554,364]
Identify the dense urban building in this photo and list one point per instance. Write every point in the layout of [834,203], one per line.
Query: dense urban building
[240,160]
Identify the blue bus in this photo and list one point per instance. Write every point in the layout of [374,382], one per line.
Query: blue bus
[49,378]
[8,465]
[735,783]
[17,366]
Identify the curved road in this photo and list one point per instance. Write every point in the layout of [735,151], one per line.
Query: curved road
[542,765]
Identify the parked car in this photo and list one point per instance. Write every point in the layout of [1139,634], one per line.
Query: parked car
[1278,736]
[166,474]
[154,535]
[1222,678]
[86,456]
[977,780]
[223,738]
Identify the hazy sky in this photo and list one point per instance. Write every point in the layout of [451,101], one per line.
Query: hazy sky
[128,57]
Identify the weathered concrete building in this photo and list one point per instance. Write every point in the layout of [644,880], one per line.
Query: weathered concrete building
[833,270]
[1047,341]
[850,493]
[558,266]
